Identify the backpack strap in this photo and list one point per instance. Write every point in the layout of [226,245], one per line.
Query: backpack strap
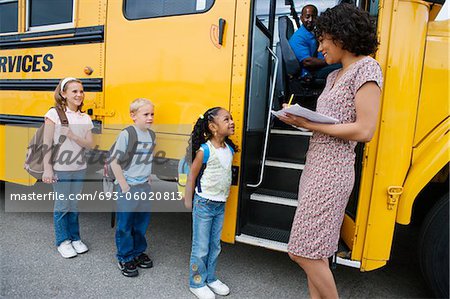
[131,147]
[231,149]
[64,122]
[153,137]
[206,154]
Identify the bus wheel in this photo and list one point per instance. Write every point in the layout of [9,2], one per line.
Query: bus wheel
[433,248]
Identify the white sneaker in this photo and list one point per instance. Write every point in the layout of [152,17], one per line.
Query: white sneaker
[219,288]
[203,293]
[66,249]
[79,246]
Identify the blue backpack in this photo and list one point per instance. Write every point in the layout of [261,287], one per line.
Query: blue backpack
[183,169]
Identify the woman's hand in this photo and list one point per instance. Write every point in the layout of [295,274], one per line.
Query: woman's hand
[295,120]
[48,176]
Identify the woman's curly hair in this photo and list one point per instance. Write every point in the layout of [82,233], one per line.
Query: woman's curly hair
[201,133]
[350,27]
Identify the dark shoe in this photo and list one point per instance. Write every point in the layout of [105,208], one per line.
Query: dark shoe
[128,269]
[143,261]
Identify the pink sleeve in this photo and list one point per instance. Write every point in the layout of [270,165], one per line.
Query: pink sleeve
[370,71]
[52,115]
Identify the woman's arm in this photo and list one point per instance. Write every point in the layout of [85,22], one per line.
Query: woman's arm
[192,176]
[367,101]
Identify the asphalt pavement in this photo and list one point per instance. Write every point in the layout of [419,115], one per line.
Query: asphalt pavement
[31,267]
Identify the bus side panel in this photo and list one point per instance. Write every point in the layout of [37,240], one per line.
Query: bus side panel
[14,142]
[238,89]
[174,61]
[2,152]
[434,104]
[32,63]
[355,240]
[398,114]
[93,12]
[428,158]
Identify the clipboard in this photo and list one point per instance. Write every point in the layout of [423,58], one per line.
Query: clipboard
[306,113]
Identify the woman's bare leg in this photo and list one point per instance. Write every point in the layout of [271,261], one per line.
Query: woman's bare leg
[313,291]
[319,276]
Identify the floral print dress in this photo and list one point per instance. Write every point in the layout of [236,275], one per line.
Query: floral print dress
[329,174]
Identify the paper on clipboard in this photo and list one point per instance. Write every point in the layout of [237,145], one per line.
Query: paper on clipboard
[306,113]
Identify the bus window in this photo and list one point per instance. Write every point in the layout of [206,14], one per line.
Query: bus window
[8,16]
[141,9]
[373,8]
[262,9]
[444,13]
[49,14]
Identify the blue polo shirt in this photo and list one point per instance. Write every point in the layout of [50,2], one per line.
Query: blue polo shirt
[304,45]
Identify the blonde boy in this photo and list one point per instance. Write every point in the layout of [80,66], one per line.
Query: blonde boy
[133,216]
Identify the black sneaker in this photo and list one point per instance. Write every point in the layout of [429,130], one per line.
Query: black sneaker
[143,261]
[128,269]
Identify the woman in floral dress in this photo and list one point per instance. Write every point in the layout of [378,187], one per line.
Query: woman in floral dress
[351,95]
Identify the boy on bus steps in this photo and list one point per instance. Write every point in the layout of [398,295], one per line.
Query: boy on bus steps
[133,214]
[211,152]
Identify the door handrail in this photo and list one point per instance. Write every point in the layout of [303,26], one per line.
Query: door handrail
[269,116]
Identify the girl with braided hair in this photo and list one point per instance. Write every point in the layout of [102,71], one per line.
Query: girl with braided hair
[207,188]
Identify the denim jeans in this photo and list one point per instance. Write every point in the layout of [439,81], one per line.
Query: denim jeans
[207,222]
[65,212]
[132,223]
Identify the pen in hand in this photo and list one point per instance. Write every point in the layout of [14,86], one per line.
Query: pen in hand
[290,100]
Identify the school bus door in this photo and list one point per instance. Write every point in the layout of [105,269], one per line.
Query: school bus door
[176,55]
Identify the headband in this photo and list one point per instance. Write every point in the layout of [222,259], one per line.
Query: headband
[64,82]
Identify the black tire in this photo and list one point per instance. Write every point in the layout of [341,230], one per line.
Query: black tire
[433,248]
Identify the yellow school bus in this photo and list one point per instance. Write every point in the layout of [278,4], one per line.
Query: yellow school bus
[187,56]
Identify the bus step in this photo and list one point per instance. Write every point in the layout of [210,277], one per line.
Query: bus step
[271,213]
[289,165]
[279,178]
[282,194]
[255,241]
[342,258]
[290,132]
[288,147]
[267,233]
[274,199]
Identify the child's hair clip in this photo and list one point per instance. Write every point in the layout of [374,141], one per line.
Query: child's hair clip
[201,116]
